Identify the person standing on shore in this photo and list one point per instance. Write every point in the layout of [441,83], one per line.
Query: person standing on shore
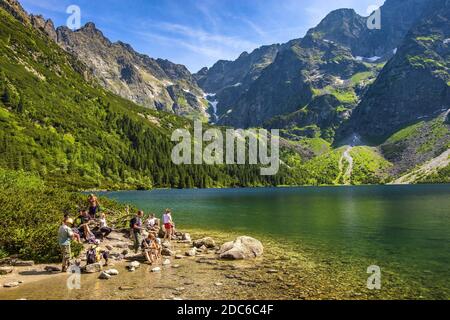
[136,230]
[168,225]
[65,236]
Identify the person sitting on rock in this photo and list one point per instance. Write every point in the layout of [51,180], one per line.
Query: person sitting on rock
[94,206]
[152,223]
[104,229]
[83,226]
[95,254]
[158,245]
[149,248]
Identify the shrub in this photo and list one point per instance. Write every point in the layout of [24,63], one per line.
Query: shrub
[31,214]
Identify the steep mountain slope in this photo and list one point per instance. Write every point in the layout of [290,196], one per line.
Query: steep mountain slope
[340,56]
[156,84]
[308,69]
[245,69]
[416,144]
[76,134]
[226,81]
[415,84]
[346,27]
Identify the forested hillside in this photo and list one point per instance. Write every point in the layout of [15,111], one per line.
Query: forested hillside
[58,123]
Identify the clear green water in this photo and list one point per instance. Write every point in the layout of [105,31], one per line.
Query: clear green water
[403,229]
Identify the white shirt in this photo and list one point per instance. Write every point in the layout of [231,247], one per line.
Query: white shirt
[166,218]
[151,222]
[103,223]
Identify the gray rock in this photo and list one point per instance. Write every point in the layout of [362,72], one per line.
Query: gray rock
[109,247]
[6,261]
[157,269]
[93,268]
[179,257]
[104,276]
[125,252]
[132,269]
[186,237]
[121,245]
[166,262]
[134,264]
[208,242]
[114,238]
[119,257]
[52,269]
[125,288]
[112,272]
[11,284]
[241,248]
[20,263]
[191,253]
[167,252]
[6,270]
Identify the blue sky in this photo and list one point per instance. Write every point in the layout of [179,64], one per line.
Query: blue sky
[197,33]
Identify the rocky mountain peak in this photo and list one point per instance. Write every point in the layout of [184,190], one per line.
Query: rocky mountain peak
[243,55]
[15,9]
[45,25]
[91,29]
[90,26]
[132,75]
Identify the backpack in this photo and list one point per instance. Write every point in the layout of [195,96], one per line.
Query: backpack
[91,256]
[132,223]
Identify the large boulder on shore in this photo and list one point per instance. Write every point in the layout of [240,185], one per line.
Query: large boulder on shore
[242,248]
[93,268]
[191,253]
[208,242]
[6,270]
[186,237]
[167,252]
[104,276]
[21,263]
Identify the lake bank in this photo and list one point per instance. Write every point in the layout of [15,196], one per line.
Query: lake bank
[278,274]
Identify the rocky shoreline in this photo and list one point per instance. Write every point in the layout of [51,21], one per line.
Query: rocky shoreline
[182,250]
[194,270]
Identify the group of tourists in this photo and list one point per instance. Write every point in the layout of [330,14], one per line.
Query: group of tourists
[91,227]
[151,244]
